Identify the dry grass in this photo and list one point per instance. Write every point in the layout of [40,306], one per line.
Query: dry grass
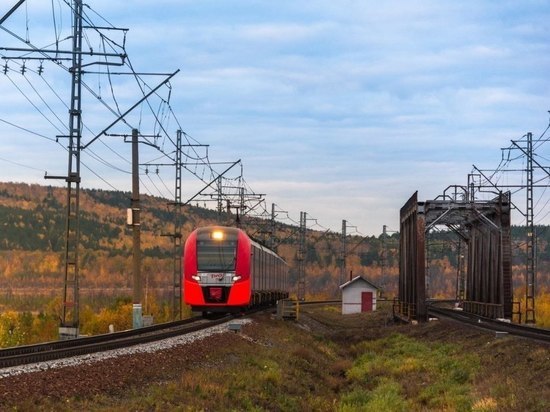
[327,362]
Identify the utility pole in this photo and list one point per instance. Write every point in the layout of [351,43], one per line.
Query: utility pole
[137,312]
[271,240]
[530,266]
[385,255]
[530,275]
[241,211]
[220,198]
[70,325]
[343,253]
[460,278]
[71,306]
[530,269]
[177,237]
[302,257]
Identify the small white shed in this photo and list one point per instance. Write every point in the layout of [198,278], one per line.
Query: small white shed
[358,295]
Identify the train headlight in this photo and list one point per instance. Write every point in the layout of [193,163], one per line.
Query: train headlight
[217,235]
[236,278]
[197,278]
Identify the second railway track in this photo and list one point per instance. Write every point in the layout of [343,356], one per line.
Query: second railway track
[529,332]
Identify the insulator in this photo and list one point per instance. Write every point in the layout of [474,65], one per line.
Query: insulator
[23,68]
[6,68]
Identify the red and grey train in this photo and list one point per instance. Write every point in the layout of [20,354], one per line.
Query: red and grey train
[226,271]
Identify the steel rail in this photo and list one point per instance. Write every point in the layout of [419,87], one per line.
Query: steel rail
[21,355]
[529,332]
[17,350]
[319,302]
[99,343]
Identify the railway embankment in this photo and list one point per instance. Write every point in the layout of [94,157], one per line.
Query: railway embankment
[322,362]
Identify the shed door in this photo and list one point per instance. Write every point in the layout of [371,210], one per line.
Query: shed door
[366,301]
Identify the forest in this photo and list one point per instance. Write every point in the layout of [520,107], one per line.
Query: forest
[32,218]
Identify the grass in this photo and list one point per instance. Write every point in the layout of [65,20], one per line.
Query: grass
[402,373]
[339,364]
[285,371]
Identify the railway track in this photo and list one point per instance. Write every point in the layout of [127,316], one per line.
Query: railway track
[528,332]
[22,355]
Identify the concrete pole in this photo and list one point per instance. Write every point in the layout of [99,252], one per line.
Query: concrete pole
[137,313]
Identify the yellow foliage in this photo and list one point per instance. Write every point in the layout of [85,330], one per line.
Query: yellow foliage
[12,332]
[55,308]
[44,329]
[94,324]
[50,263]
[8,321]
[542,309]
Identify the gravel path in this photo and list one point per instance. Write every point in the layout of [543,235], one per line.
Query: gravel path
[110,371]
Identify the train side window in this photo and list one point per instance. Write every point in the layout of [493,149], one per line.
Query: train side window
[278,267]
[252,259]
[271,271]
[257,269]
[267,274]
[264,263]
[262,269]
[278,274]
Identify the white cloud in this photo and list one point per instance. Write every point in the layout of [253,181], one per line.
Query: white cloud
[282,32]
[341,109]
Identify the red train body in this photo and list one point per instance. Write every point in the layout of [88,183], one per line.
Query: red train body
[225,271]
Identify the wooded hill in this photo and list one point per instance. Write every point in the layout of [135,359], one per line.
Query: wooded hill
[32,221]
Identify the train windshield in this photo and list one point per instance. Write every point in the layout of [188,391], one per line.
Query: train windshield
[216,255]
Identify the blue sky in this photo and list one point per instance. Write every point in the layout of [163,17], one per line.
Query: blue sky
[339,109]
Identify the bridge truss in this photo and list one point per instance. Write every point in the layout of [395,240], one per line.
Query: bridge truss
[484,226]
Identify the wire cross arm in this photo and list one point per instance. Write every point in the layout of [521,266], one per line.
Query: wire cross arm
[104,131]
[12,10]
[543,168]
[58,51]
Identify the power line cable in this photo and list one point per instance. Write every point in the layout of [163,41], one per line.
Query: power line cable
[33,105]
[44,101]
[21,165]
[28,130]
[164,184]
[53,112]
[99,177]
[96,157]
[34,48]
[154,185]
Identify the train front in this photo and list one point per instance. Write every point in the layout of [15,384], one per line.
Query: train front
[216,269]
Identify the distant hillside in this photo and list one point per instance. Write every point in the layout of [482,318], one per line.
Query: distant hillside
[32,218]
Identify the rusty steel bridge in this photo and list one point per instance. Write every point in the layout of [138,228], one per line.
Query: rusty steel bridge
[483,227]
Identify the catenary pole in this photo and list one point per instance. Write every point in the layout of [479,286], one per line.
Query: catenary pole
[137,313]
